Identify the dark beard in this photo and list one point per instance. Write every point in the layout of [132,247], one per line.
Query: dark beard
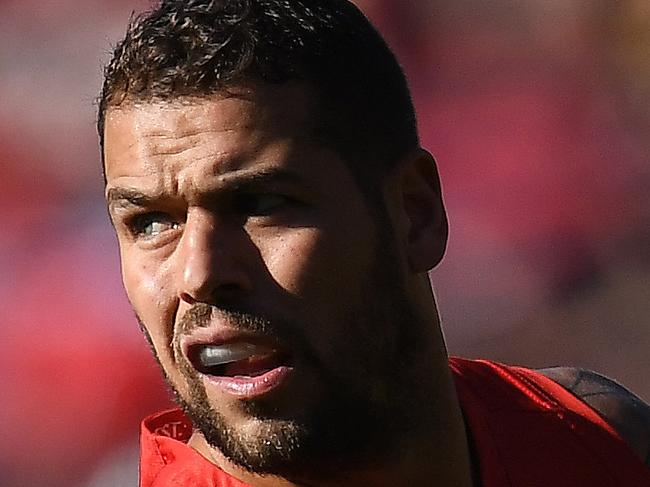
[364,414]
[341,434]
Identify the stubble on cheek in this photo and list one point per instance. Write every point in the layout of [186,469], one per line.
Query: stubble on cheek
[172,383]
[155,313]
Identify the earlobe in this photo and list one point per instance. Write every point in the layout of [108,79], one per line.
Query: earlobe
[426,220]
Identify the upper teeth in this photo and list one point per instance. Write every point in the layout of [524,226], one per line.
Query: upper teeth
[212,355]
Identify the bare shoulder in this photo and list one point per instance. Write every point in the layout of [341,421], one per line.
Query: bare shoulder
[623,410]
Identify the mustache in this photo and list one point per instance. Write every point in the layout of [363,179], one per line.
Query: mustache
[202,315]
[286,334]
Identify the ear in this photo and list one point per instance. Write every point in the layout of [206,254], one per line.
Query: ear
[425,221]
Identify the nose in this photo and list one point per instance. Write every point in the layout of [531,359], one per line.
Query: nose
[211,261]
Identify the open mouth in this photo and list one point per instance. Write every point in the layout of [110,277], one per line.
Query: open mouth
[237,360]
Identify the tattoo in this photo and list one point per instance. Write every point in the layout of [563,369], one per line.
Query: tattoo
[623,410]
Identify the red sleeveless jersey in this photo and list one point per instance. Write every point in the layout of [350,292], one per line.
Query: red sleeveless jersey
[527,431]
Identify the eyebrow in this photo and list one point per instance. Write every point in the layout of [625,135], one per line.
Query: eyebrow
[263,176]
[125,197]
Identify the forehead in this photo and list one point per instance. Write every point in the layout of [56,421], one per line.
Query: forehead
[231,125]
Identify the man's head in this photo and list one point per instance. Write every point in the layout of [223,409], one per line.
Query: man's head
[196,48]
[289,309]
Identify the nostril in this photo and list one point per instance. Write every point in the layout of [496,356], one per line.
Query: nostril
[188,298]
[225,293]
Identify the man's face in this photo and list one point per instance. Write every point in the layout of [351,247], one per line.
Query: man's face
[271,295]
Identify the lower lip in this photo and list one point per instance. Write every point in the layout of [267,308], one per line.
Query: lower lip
[244,387]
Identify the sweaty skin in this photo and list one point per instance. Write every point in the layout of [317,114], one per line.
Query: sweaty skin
[231,204]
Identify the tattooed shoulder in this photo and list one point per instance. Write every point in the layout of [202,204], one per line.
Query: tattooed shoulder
[623,410]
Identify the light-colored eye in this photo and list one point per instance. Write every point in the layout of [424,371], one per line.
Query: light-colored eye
[157,227]
[151,225]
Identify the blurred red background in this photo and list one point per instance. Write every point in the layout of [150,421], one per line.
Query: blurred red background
[537,112]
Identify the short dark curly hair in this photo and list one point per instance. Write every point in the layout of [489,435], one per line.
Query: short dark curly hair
[195,48]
